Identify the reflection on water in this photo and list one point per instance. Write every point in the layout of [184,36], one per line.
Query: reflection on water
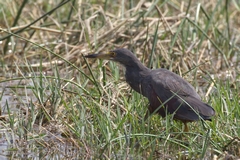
[23,141]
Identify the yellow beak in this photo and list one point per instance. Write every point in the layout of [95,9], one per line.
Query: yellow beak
[106,55]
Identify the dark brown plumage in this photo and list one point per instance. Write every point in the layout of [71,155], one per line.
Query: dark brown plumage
[166,91]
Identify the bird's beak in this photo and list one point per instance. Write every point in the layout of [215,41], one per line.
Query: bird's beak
[101,55]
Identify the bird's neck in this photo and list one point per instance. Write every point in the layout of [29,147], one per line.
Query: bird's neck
[134,75]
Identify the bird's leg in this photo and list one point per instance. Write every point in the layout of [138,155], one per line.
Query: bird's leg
[148,113]
[185,127]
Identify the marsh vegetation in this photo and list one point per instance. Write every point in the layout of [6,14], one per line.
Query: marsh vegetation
[55,104]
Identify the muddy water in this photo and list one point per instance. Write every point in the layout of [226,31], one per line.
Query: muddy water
[18,141]
[13,100]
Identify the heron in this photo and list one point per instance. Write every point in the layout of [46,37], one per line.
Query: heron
[167,92]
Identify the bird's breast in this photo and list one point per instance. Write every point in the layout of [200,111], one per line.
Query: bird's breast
[137,80]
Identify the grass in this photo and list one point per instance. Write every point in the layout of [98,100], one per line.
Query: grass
[57,105]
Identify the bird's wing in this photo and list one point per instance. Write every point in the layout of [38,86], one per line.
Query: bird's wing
[180,96]
[171,81]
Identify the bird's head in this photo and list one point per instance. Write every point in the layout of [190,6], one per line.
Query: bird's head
[122,55]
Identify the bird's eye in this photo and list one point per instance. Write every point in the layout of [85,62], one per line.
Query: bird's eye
[113,54]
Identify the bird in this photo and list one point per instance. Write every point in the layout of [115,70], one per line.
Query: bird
[167,92]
